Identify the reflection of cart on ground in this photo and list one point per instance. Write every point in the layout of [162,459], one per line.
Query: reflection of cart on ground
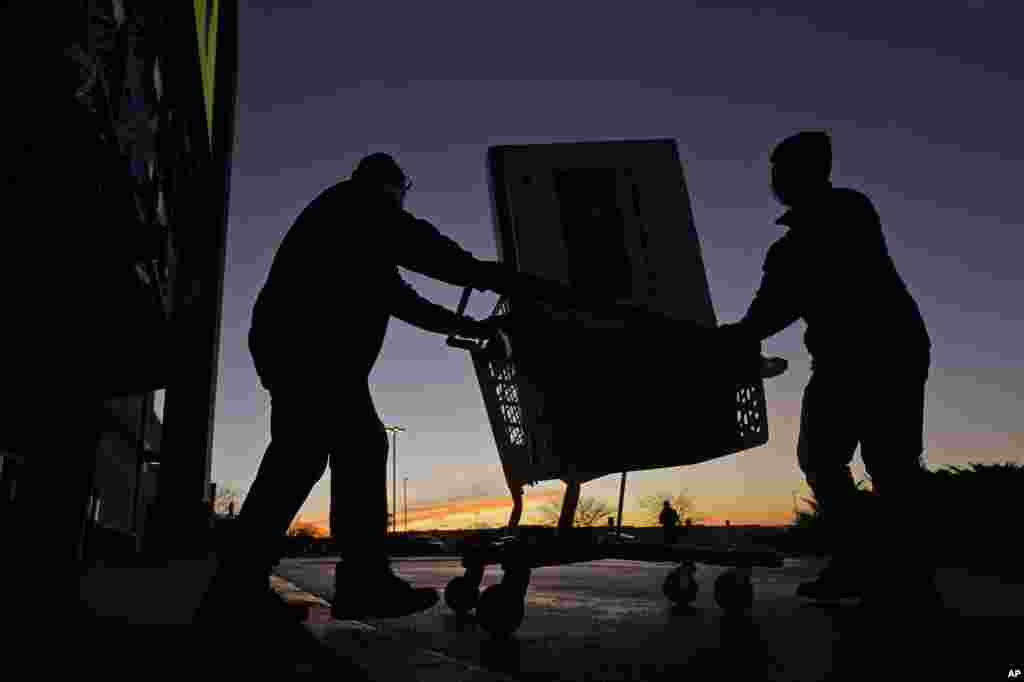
[572,396]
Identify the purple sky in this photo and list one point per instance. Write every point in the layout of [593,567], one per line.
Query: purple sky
[924,110]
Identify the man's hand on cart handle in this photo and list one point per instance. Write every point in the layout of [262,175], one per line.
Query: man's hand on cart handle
[486,335]
[467,329]
[738,336]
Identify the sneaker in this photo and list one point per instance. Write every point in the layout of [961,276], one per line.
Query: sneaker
[832,584]
[386,597]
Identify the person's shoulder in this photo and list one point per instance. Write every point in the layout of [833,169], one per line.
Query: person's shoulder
[327,196]
[340,189]
[851,199]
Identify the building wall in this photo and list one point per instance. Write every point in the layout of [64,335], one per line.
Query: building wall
[121,98]
[124,486]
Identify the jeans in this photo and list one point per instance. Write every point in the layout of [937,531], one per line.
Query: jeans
[310,427]
[881,410]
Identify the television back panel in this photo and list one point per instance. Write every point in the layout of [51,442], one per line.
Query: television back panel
[612,219]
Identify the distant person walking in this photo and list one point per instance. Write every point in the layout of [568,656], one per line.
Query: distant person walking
[317,329]
[870,354]
[669,520]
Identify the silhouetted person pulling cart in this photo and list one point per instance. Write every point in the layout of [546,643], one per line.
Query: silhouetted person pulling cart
[870,354]
[317,329]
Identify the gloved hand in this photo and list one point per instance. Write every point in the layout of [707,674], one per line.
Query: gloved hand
[476,329]
[488,332]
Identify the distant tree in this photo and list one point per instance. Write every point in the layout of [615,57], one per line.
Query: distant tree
[480,524]
[589,511]
[228,501]
[651,506]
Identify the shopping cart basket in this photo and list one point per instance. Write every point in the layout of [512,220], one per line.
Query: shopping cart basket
[571,394]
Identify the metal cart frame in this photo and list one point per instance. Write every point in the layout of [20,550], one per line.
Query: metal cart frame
[500,608]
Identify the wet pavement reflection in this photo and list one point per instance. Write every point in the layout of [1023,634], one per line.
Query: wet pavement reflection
[609,620]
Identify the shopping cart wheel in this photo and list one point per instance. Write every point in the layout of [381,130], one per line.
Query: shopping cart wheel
[681,584]
[733,591]
[500,610]
[461,595]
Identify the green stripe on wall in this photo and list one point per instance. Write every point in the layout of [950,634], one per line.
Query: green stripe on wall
[207,21]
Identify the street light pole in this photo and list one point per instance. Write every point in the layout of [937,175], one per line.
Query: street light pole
[405,495]
[394,475]
[622,496]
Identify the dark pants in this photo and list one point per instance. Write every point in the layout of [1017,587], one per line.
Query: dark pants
[881,409]
[315,421]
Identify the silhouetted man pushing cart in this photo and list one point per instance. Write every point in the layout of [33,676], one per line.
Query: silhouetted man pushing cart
[870,354]
[318,326]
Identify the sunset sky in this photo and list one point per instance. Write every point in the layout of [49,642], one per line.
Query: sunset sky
[924,111]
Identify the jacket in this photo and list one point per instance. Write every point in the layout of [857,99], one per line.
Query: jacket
[334,282]
[832,269]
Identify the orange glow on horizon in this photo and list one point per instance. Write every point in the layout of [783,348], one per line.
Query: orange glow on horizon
[320,529]
[494,512]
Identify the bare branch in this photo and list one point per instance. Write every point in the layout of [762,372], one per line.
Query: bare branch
[651,506]
[589,512]
[228,501]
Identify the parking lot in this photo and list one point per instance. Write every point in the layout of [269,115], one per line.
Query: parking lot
[608,620]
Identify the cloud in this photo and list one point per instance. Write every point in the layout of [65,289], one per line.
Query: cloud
[472,505]
[484,481]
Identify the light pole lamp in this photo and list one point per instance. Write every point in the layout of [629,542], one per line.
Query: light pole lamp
[394,474]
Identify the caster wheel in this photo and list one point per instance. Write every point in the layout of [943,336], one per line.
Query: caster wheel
[461,595]
[680,585]
[500,610]
[734,592]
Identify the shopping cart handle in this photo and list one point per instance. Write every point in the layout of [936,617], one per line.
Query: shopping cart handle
[458,343]
[462,343]
[464,300]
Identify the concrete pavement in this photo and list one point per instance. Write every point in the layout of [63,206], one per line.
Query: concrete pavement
[382,656]
[607,620]
[143,615]
[600,620]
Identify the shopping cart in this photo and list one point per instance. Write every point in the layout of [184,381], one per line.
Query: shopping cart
[564,389]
